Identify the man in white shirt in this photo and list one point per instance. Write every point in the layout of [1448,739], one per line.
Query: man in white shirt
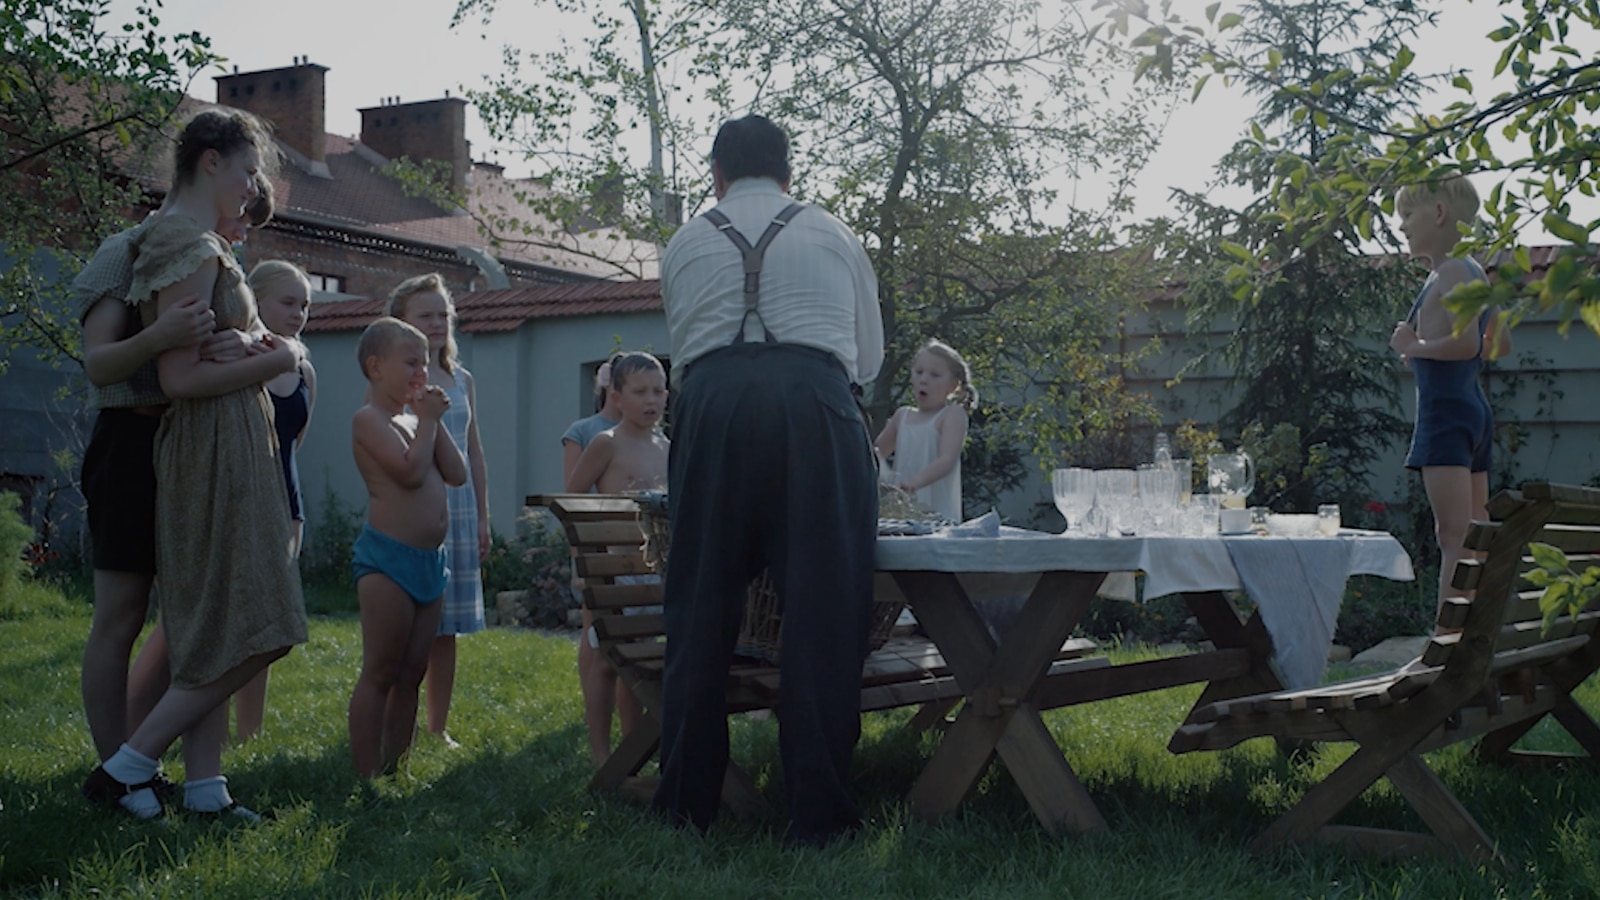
[771,466]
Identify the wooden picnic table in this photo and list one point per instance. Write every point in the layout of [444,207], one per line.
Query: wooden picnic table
[1007,683]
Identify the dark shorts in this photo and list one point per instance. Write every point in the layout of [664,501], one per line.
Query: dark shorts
[421,573]
[119,484]
[1461,435]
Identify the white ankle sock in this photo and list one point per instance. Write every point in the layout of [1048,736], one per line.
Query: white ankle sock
[129,766]
[211,795]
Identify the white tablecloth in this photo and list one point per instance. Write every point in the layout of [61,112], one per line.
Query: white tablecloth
[1297,583]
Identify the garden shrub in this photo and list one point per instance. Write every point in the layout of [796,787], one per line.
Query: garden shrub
[20,596]
[326,550]
[535,559]
[1376,609]
[14,537]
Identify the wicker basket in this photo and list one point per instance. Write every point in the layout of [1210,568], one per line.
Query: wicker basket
[761,630]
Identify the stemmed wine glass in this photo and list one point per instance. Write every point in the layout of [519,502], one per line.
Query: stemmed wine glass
[1074,494]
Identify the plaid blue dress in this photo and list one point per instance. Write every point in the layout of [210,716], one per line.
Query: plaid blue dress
[463,598]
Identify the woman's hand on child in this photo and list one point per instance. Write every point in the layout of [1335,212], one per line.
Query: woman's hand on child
[228,345]
[430,403]
[187,322]
[279,352]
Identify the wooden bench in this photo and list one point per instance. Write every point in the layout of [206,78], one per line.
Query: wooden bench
[605,534]
[1493,673]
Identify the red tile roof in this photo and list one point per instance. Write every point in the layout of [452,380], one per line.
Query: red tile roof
[360,197]
[496,311]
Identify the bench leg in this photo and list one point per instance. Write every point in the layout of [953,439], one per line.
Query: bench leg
[1381,755]
[1440,808]
[999,683]
[1052,788]
[632,753]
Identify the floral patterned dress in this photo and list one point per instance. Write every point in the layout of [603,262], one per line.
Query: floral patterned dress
[228,587]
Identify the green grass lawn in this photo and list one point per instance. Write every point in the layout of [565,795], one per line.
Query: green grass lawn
[507,814]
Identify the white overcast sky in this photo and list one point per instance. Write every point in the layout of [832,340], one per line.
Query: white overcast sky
[382,49]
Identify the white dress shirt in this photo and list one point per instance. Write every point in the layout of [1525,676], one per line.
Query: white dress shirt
[817,285]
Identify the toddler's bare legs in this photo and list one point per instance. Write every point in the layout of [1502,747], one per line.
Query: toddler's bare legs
[396,635]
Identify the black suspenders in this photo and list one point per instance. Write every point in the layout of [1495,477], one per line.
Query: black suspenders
[752,260]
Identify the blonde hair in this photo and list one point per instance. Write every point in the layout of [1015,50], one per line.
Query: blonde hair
[382,336]
[400,299]
[273,275]
[965,395]
[1455,191]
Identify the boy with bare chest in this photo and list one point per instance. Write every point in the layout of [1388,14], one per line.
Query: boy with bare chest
[406,459]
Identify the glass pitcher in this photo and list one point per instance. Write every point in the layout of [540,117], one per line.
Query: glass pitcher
[1232,476]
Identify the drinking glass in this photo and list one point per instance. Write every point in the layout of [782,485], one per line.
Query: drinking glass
[1183,471]
[1114,490]
[1074,493]
[1203,514]
[1158,498]
[1328,519]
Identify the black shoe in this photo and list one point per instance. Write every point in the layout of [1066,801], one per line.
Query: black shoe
[233,811]
[103,790]
[166,789]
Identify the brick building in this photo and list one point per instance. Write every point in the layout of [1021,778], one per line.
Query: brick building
[353,226]
[356,229]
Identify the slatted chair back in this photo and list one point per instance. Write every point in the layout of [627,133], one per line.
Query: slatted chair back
[1496,627]
[607,544]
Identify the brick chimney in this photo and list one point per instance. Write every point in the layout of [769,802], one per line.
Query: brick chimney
[292,99]
[425,130]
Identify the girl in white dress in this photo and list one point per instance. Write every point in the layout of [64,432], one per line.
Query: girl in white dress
[926,439]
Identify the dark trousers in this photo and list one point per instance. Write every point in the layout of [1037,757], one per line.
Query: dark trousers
[771,466]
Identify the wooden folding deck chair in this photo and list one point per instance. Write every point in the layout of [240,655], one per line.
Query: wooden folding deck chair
[1496,676]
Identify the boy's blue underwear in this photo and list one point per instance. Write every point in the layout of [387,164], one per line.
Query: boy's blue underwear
[421,573]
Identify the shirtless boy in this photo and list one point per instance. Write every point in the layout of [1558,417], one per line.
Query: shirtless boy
[406,458]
